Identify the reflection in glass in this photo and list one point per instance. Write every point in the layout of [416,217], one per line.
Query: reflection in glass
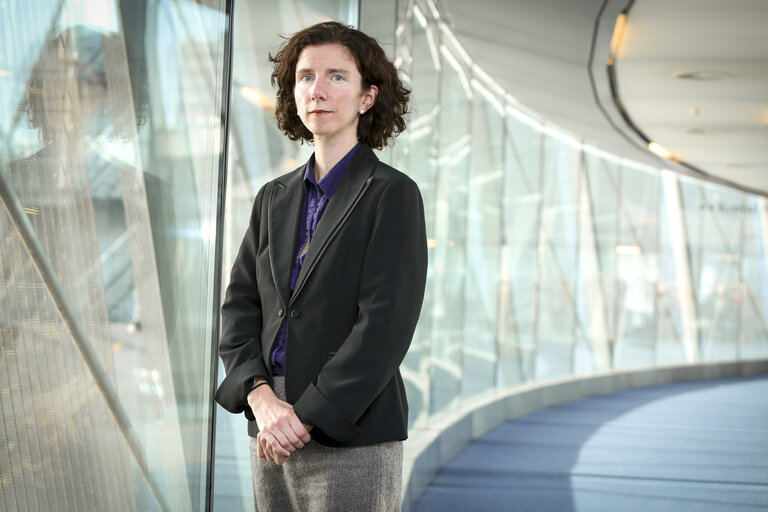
[119,191]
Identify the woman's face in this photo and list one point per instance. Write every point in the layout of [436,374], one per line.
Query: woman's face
[329,93]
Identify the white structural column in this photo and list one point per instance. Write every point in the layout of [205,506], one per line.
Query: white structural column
[593,284]
[683,279]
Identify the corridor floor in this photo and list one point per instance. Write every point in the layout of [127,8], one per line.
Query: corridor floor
[693,446]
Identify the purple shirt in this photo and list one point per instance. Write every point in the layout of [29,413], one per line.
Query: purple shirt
[316,197]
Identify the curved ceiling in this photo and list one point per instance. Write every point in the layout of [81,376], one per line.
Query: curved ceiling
[551,55]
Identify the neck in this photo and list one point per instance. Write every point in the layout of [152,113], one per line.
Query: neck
[328,154]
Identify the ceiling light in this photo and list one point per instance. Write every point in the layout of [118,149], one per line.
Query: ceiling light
[659,150]
[618,37]
[702,76]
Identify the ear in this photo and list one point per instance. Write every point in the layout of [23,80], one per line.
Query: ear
[369,97]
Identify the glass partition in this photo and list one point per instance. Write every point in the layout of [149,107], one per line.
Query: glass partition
[452,153]
[111,120]
[550,257]
[418,156]
[637,273]
[518,290]
[556,322]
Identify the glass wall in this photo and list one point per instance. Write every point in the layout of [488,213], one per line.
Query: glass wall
[111,121]
[549,257]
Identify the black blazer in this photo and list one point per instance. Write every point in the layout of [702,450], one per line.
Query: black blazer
[352,314]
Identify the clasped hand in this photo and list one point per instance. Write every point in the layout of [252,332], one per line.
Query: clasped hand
[281,432]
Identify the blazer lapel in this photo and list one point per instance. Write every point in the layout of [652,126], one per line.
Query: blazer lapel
[352,187]
[285,208]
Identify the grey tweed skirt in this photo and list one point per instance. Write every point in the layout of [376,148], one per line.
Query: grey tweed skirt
[318,478]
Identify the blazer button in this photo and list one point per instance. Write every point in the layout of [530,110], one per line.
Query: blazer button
[280,312]
[295,313]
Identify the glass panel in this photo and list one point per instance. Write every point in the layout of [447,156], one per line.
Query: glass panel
[636,268]
[414,154]
[603,188]
[483,242]
[558,239]
[450,232]
[522,207]
[715,245]
[754,333]
[111,123]
[669,295]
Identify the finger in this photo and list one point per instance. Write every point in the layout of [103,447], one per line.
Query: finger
[266,448]
[303,432]
[259,449]
[273,439]
[286,447]
[276,457]
[297,432]
[268,456]
[294,433]
[279,460]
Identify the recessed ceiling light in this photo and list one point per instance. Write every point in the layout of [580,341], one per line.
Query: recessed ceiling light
[618,37]
[702,76]
[659,150]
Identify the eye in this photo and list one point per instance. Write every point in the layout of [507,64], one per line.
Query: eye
[337,78]
[305,78]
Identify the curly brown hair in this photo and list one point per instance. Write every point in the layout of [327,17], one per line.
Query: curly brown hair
[382,123]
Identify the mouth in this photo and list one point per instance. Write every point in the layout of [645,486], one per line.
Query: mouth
[319,112]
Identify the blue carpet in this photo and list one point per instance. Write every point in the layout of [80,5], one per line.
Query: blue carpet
[693,446]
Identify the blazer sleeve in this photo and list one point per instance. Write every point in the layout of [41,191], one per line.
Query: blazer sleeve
[241,322]
[390,297]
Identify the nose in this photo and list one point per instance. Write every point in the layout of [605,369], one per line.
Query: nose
[317,91]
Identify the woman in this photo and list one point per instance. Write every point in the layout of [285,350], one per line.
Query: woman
[327,287]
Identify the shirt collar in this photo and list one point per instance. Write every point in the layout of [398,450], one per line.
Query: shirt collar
[330,182]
